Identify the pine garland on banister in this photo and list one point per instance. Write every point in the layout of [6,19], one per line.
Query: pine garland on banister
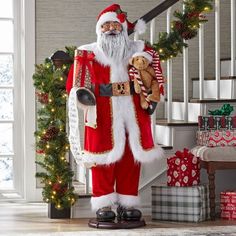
[51,139]
[185,27]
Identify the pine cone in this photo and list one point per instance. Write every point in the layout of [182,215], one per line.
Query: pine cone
[51,133]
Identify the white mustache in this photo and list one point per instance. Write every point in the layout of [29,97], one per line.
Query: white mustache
[112,32]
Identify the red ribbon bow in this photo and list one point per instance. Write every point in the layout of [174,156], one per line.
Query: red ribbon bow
[84,61]
[184,154]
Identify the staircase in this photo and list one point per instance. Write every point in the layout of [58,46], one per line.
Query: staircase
[175,123]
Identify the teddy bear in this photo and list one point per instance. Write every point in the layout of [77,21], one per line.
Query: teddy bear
[145,83]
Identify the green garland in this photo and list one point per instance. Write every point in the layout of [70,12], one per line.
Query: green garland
[185,27]
[51,139]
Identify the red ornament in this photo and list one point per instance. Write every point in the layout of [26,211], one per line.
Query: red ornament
[40,151]
[56,187]
[193,15]
[42,97]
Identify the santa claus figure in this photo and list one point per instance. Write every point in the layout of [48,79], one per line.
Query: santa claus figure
[118,136]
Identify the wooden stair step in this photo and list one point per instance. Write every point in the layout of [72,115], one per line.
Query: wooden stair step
[164,122]
[165,147]
[213,78]
[212,100]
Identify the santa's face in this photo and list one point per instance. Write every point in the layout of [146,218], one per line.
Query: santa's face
[113,40]
[111,27]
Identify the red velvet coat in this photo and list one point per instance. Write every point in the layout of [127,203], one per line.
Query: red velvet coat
[118,117]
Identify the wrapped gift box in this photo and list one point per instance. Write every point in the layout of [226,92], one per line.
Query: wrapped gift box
[183,169]
[83,72]
[228,205]
[216,138]
[180,203]
[216,122]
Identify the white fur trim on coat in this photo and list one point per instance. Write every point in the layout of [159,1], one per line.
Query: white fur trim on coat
[103,201]
[124,118]
[128,200]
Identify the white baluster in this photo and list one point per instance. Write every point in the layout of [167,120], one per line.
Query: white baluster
[152,31]
[217,47]
[152,40]
[87,183]
[169,74]
[233,47]
[233,37]
[201,61]
[186,78]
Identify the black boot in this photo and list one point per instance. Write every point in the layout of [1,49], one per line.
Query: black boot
[105,214]
[128,214]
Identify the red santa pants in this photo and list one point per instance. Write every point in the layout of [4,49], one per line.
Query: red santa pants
[116,183]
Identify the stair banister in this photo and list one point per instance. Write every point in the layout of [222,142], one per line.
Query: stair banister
[217,47]
[233,37]
[156,11]
[201,62]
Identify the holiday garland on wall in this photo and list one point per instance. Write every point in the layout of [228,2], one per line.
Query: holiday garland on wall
[52,144]
[185,27]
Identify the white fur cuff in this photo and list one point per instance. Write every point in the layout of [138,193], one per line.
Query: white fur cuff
[103,201]
[128,200]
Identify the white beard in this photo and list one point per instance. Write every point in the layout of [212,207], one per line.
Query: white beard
[115,47]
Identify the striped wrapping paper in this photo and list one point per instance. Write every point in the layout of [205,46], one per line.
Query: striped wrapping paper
[180,203]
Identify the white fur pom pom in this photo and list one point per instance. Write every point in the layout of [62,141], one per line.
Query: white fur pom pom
[140,26]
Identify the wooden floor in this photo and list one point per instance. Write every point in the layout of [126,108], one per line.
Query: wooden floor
[21,218]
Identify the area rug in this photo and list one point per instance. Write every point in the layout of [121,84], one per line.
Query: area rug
[195,231]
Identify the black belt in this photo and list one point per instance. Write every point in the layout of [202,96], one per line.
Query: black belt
[116,89]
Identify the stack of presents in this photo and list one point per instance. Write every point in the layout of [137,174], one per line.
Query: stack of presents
[218,128]
[184,198]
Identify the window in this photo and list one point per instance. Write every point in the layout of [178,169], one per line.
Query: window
[17,100]
[7,88]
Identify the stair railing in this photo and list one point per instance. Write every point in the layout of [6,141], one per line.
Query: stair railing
[166,6]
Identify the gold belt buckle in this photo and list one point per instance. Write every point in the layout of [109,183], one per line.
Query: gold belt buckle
[121,89]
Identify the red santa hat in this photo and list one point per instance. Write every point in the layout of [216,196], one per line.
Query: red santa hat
[114,13]
[146,54]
